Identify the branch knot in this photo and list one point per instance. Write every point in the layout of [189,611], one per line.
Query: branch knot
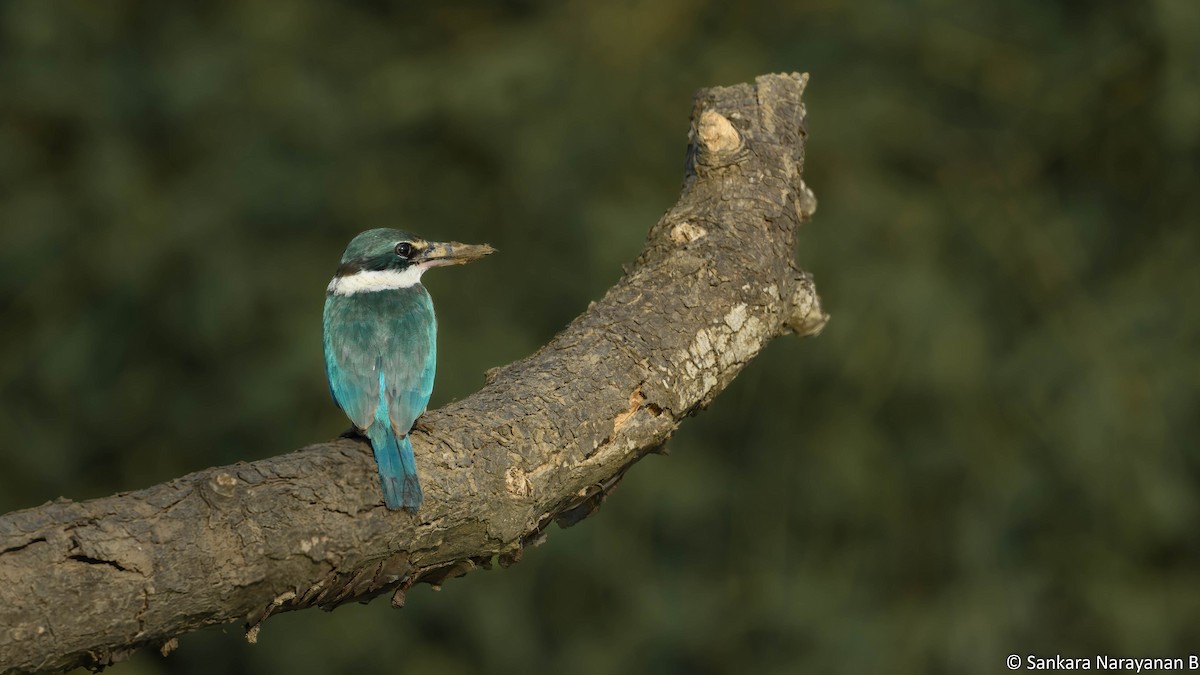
[716,140]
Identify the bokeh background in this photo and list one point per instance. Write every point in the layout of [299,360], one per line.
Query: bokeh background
[991,449]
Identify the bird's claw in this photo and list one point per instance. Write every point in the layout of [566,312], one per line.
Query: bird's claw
[354,433]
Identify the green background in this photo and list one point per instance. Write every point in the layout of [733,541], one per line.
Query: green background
[990,450]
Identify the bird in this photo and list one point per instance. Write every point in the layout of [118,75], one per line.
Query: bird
[380,339]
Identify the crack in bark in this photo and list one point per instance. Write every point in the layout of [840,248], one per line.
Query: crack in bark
[21,547]
[97,561]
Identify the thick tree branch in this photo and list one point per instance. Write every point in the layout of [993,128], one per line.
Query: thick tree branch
[542,441]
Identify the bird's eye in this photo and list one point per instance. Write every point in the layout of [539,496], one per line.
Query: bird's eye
[404,250]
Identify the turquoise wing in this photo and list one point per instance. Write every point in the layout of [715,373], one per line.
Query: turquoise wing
[409,363]
[351,359]
[381,338]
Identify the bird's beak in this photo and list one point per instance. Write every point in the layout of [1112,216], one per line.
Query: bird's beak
[437,254]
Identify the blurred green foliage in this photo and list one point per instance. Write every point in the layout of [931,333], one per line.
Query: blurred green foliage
[991,449]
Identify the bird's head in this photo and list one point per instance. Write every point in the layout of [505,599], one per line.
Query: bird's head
[385,259]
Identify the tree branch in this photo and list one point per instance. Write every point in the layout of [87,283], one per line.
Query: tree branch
[543,441]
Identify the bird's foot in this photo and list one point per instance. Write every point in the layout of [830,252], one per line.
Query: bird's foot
[354,433]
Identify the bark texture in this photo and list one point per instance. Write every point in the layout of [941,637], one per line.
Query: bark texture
[85,584]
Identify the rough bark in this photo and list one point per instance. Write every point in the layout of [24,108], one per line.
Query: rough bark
[543,441]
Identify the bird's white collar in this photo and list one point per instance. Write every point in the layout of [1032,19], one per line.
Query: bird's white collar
[369,281]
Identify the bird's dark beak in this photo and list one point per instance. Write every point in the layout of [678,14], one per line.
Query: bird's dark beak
[437,254]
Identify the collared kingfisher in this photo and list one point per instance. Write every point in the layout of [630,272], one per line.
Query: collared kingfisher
[381,345]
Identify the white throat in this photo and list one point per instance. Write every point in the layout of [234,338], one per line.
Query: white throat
[369,281]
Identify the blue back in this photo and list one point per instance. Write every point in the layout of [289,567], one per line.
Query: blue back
[386,338]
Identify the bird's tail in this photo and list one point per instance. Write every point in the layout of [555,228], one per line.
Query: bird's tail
[397,468]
